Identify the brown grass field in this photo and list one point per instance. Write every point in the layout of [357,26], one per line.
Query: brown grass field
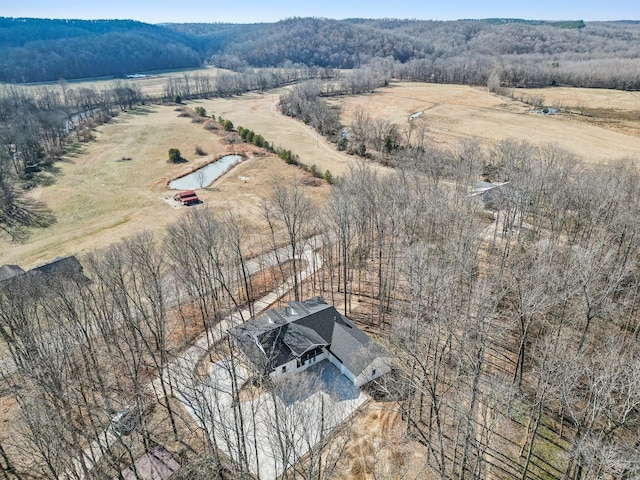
[99,200]
[601,125]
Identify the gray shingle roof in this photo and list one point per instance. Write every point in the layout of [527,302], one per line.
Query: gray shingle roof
[282,335]
[9,271]
[353,347]
[42,278]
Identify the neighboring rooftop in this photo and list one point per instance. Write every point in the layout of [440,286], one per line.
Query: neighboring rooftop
[60,269]
[157,464]
[10,271]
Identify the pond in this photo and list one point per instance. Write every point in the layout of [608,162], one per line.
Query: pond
[205,175]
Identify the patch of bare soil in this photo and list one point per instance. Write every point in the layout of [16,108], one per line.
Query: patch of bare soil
[379,448]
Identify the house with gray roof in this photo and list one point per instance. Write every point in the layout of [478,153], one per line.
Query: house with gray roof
[43,278]
[10,271]
[293,339]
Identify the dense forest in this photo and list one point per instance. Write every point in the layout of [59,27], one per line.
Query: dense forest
[513,324]
[38,50]
[515,52]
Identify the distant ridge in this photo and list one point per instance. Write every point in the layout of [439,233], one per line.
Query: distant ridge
[521,52]
[551,23]
[36,50]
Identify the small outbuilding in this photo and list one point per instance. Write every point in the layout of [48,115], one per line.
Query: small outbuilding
[188,197]
[157,464]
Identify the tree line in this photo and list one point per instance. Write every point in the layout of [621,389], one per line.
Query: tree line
[521,53]
[464,51]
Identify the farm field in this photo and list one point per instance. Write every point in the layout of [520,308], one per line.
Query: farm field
[600,125]
[259,112]
[98,198]
[151,85]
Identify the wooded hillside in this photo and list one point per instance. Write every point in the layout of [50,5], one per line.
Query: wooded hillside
[514,52]
[39,50]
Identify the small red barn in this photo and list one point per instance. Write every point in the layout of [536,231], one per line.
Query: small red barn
[187,198]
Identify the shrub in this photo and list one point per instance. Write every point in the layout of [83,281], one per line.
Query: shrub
[175,156]
[258,141]
[201,111]
[228,126]
[288,157]
[199,150]
[177,99]
[328,177]
[311,182]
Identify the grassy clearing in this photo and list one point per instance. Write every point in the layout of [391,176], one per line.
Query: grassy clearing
[259,112]
[454,112]
[99,199]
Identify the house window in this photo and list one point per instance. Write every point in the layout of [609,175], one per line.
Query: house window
[284,369]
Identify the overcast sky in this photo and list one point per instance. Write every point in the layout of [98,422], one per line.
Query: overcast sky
[249,11]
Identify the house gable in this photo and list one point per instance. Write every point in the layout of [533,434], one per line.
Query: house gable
[282,341]
[40,280]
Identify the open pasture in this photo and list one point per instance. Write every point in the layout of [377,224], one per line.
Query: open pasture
[100,197]
[259,112]
[113,187]
[596,133]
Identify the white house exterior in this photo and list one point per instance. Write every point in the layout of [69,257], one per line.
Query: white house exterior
[283,342]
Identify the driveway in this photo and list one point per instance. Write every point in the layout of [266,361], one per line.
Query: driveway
[280,425]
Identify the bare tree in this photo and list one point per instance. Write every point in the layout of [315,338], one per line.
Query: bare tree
[289,208]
